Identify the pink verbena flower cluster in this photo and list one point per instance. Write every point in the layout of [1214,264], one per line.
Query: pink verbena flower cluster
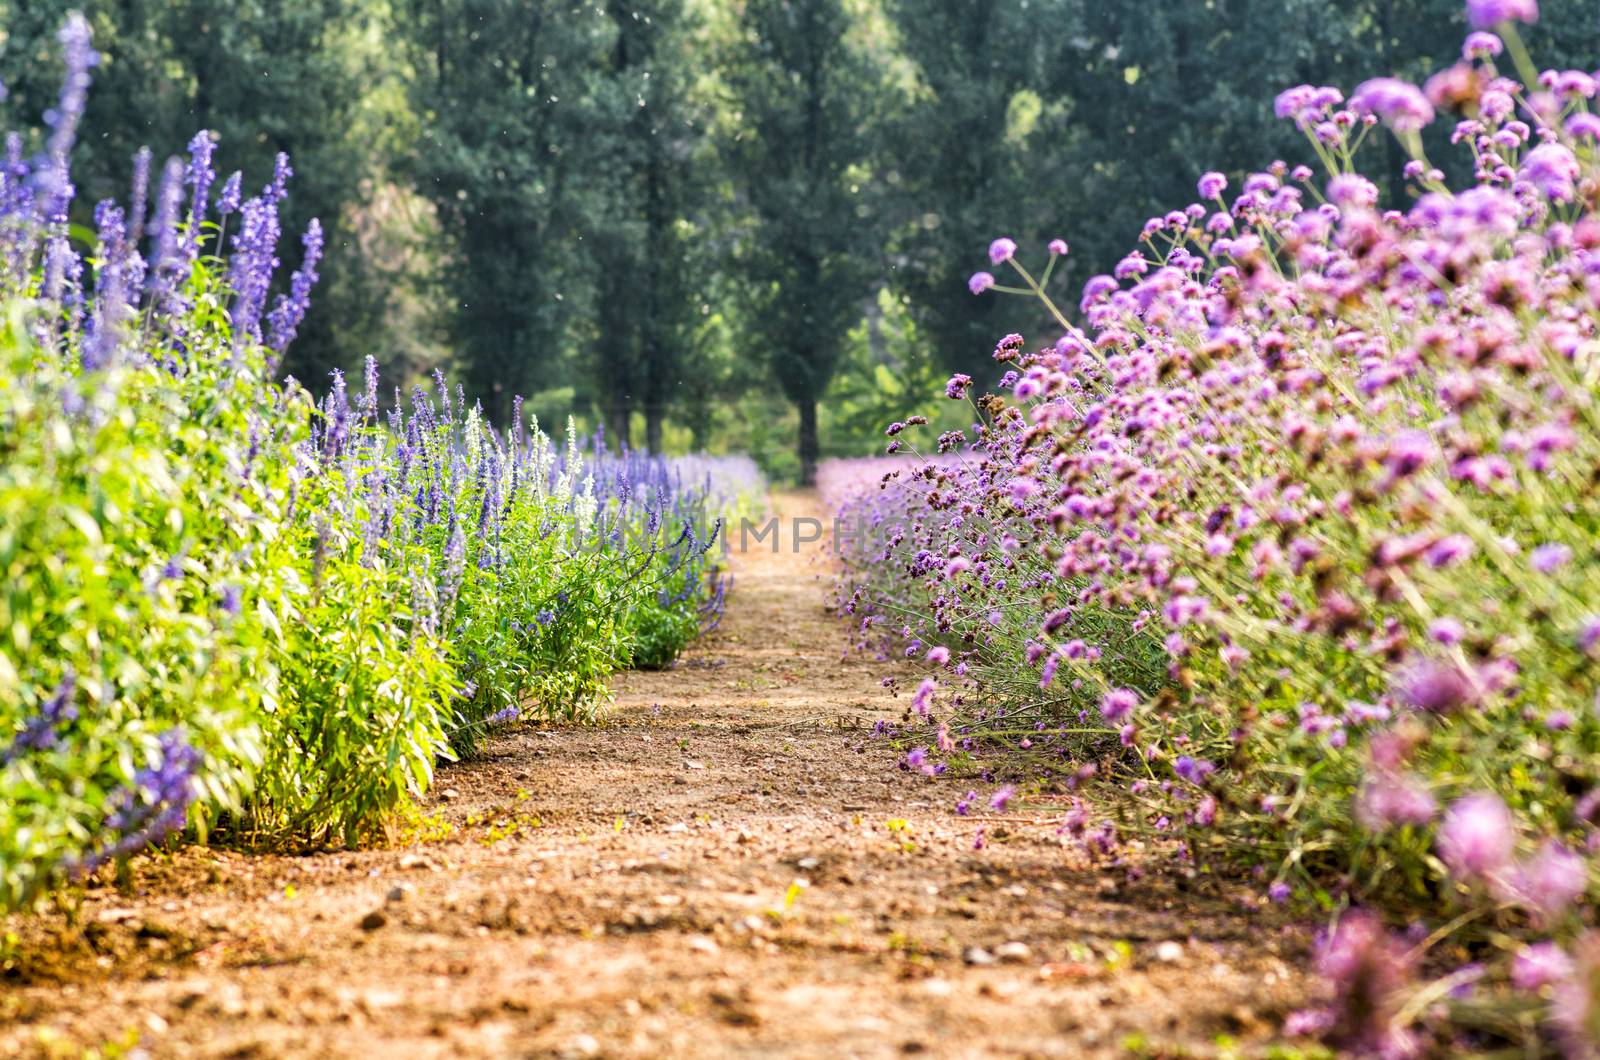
[1292,546]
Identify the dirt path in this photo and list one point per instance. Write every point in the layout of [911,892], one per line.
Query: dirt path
[729,867]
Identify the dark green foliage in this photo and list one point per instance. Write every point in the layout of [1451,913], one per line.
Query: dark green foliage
[968,156]
[506,96]
[641,212]
[802,153]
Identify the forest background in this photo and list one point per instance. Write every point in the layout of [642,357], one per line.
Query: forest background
[724,225]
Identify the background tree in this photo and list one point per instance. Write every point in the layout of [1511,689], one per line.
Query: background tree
[1156,93]
[965,158]
[506,96]
[800,152]
[693,216]
[645,307]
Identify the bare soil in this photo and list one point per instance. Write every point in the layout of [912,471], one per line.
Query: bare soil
[728,866]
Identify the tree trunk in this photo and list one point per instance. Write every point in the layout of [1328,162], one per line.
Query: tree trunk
[808,441]
[619,425]
[654,416]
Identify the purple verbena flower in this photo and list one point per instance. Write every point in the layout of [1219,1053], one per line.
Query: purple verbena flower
[1487,14]
[1476,836]
[1399,103]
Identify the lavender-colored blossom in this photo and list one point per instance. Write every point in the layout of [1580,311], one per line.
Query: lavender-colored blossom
[1584,126]
[980,282]
[42,731]
[165,261]
[1450,550]
[1487,14]
[55,174]
[1058,247]
[253,262]
[232,193]
[1476,836]
[153,806]
[1369,971]
[1538,965]
[275,191]
[1194,770]
[1212,185]
[1435,687]
[1575,1007]
[1002,250]
[1549,880]
[290,310]
[1119,704]
[1589,634]
[138,198]
[1388,798]
[1548,557]
[1352,190]
[1554,170]
[113,290]
[1481,45]
[1447,631]
[1399,103]
[199,175]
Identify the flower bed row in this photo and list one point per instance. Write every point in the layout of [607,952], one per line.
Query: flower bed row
[1289,553]
[227,606]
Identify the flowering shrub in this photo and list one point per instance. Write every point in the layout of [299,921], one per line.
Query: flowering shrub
[1292,546]
[228,606]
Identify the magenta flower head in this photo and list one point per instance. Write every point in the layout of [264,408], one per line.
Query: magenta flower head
[1390,798]
[1399,103]
[1477,836]
[1002,249]
[924,693]
[1487,14]
[1584,126]
[1575,1008]
[1480,45]
[939,655]
[1369,970]
[1436,688]
[1449,550]
[1539,965]
[1553,169]
[980,282]
[957,387]
[1058,247]
[1589,635]
[1547,558]
[1352,189]
[1550,880]
[1212,185]
[1194,770]
[1119,704]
